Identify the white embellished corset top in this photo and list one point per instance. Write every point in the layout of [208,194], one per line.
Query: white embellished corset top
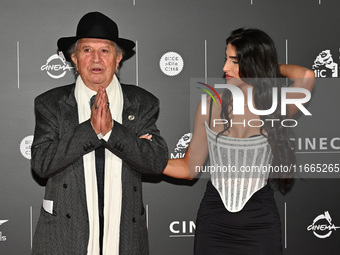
[238,166]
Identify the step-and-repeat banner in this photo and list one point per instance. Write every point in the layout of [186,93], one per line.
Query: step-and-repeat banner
[175,42]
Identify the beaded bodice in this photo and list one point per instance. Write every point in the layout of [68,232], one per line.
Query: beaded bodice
[238,167]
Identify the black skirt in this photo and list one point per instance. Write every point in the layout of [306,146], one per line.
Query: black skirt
[255,230]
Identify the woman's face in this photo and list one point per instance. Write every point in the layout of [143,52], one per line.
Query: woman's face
[231,68]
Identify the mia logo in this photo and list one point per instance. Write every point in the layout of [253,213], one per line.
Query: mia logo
[324,65]
[322,226]
[56,66]
[2,238]
[181,146]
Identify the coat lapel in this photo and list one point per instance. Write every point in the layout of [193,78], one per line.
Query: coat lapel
[130,111]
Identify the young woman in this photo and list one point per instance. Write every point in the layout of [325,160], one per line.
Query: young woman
[238,214]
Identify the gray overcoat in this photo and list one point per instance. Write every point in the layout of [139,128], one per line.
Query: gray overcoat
[57,150]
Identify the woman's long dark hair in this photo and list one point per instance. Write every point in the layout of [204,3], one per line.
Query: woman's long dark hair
[258,66]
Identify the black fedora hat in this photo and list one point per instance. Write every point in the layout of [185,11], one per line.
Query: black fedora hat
[95,25]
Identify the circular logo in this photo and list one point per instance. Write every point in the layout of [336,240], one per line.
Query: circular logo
[25,146]
[171,63]
[322,226]
[56,67]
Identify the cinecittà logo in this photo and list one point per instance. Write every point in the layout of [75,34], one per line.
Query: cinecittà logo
[324,65]
[56,67]
[322,226]
[182,228]
[317,144]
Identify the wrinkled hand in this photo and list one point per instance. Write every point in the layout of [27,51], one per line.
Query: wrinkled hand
[101,118]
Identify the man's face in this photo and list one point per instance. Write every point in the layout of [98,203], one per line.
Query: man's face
[96,61]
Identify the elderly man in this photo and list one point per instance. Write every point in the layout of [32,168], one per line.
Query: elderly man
[87,144]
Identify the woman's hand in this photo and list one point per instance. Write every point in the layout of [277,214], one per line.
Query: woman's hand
[302,78]
[146,136]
